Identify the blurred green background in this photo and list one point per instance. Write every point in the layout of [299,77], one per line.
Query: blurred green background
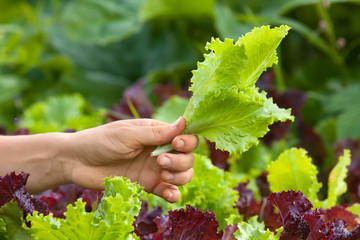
[83,54]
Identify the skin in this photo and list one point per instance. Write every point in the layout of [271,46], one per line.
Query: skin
[120,148]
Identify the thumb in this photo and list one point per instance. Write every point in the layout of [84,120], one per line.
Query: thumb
[158,135]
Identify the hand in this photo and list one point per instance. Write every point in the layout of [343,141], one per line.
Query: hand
[123,148]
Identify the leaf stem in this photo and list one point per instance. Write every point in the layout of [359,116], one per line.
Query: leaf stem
[162,149]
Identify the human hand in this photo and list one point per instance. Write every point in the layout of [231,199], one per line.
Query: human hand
[123,148]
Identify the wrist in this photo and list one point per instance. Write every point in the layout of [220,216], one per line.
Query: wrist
[50,162]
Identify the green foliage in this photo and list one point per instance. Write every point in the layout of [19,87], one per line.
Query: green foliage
[112,220]
[174,9]
[234,120]
[171,110]
[101,22]
[10,86]
[337,185]
[226,107]
[293,170]
[12,224]
[254,230]
[345,105]
[61,113]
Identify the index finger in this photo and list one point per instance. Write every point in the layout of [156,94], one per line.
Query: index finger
[145,122]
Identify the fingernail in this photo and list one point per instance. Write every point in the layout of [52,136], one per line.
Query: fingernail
[176,123]
[170,196]
[180,144]
[165,161]
[169,176]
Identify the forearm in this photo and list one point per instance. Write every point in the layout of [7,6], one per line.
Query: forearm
[44,156]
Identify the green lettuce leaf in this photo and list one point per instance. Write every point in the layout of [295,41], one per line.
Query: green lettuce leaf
[171,110]
[260,49]
[12,225]
[234,119]
[220,70]
[59,113]
[226,107]
[254,230]
[337,184]
[112,220]
[293,170]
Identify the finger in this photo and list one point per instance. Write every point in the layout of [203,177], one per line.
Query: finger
[176,162]
[157,135]
[145,122]
[177,178]
[167,191]
[185,143]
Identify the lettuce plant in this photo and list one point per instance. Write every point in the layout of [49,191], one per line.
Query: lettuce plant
[226,107]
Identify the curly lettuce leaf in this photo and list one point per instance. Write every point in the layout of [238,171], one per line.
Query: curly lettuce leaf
[293,170]
[234,119]
[226,107]
[255,230]
[12,223]
[188,225]
[260,49]
[220,70]
[112,220]
[337,184]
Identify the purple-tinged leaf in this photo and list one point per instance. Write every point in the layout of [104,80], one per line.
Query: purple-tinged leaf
[191,224]
[218,158]
[135,96]
[163,92]
[246,204]
[291,206]
[58,198]
[263,184]
[12,186]
[229,232]
[339,213]
[144,223]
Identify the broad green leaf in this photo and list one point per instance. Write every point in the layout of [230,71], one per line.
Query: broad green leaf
[220,70]
[176,9]
[171,110]
[337,184]
[293,170]
[12,223]
[234,119]
[260,49]
[254,230]
[239,64]
[59,113]
[101,22]
[112,220]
